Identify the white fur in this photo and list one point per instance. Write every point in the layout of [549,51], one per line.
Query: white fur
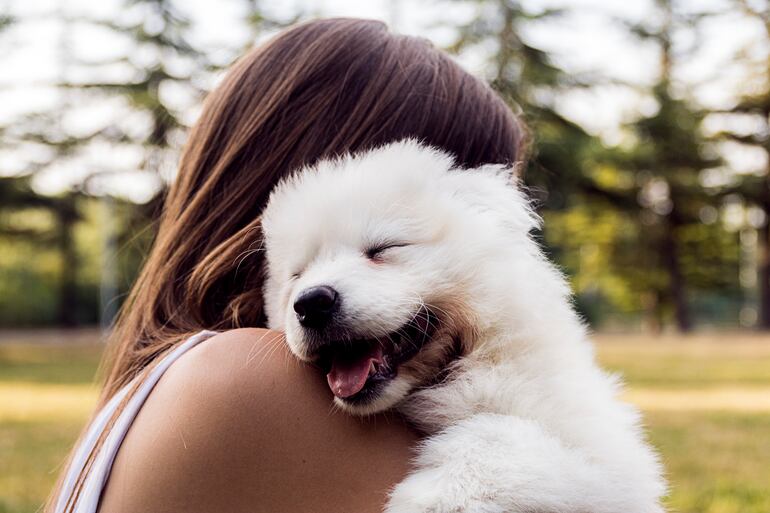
[526,421]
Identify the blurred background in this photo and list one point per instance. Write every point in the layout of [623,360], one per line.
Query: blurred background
[651,126]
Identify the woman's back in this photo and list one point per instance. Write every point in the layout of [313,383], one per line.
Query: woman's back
[237,424]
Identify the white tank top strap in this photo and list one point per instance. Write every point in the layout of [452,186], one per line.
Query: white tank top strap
[88,500]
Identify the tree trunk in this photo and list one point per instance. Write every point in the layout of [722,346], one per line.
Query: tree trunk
[676,286]
[763,262]
[67,302]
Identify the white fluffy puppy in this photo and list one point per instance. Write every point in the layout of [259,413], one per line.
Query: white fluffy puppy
[417,286]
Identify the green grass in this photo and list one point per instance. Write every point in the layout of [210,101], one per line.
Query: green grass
[707,405]
[46,393]
[717,462]
[706,401]
[32,455]
[702,361]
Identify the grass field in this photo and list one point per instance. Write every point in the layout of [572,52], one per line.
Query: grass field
[706,400]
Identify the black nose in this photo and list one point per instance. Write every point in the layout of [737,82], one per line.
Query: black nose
[315,306]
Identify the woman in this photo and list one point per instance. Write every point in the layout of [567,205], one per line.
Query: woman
[236,424]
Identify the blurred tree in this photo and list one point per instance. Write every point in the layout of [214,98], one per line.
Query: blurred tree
[17,197]
[754,107]
[159,56]
[5,21]
[16,194]
[653,186]
[563,176]
[526,77]
[151,88]
[261,21]
[668,158]
[12,190]
[162,60]
[625,222]
[170,67]
[65,209]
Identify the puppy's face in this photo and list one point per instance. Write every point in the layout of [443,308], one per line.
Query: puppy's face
[370,272]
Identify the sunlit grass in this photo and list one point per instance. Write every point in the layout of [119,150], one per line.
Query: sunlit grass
[717,462]
[698,361]
[20,401]
[31,456]
[706,401]
[46,392]
[725,399]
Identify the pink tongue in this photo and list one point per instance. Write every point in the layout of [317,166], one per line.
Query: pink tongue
[348,375]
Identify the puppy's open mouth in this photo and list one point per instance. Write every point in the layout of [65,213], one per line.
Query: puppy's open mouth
[358,369]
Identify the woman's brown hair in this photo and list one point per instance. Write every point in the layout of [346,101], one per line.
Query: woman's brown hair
[319,89]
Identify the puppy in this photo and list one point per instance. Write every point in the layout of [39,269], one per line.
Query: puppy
[416,285]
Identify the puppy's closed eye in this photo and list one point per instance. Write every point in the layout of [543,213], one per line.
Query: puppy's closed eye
[377,251]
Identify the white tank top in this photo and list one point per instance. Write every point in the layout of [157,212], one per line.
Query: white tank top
[88,501]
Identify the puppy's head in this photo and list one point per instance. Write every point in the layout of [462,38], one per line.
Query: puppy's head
[381,266]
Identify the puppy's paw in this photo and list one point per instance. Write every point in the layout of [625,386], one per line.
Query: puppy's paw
[434,491]
[421,492]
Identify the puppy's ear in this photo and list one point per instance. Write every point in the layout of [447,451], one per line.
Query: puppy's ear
[495,189]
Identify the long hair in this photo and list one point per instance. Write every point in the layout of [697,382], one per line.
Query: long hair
[320,89]
[317,90]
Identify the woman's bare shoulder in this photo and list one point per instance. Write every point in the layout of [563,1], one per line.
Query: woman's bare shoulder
[237,423]
[232,368]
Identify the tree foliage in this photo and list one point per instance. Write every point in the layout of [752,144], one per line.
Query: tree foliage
[636,227]
[754,106]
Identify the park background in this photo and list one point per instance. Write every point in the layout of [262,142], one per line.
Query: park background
[651,140]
